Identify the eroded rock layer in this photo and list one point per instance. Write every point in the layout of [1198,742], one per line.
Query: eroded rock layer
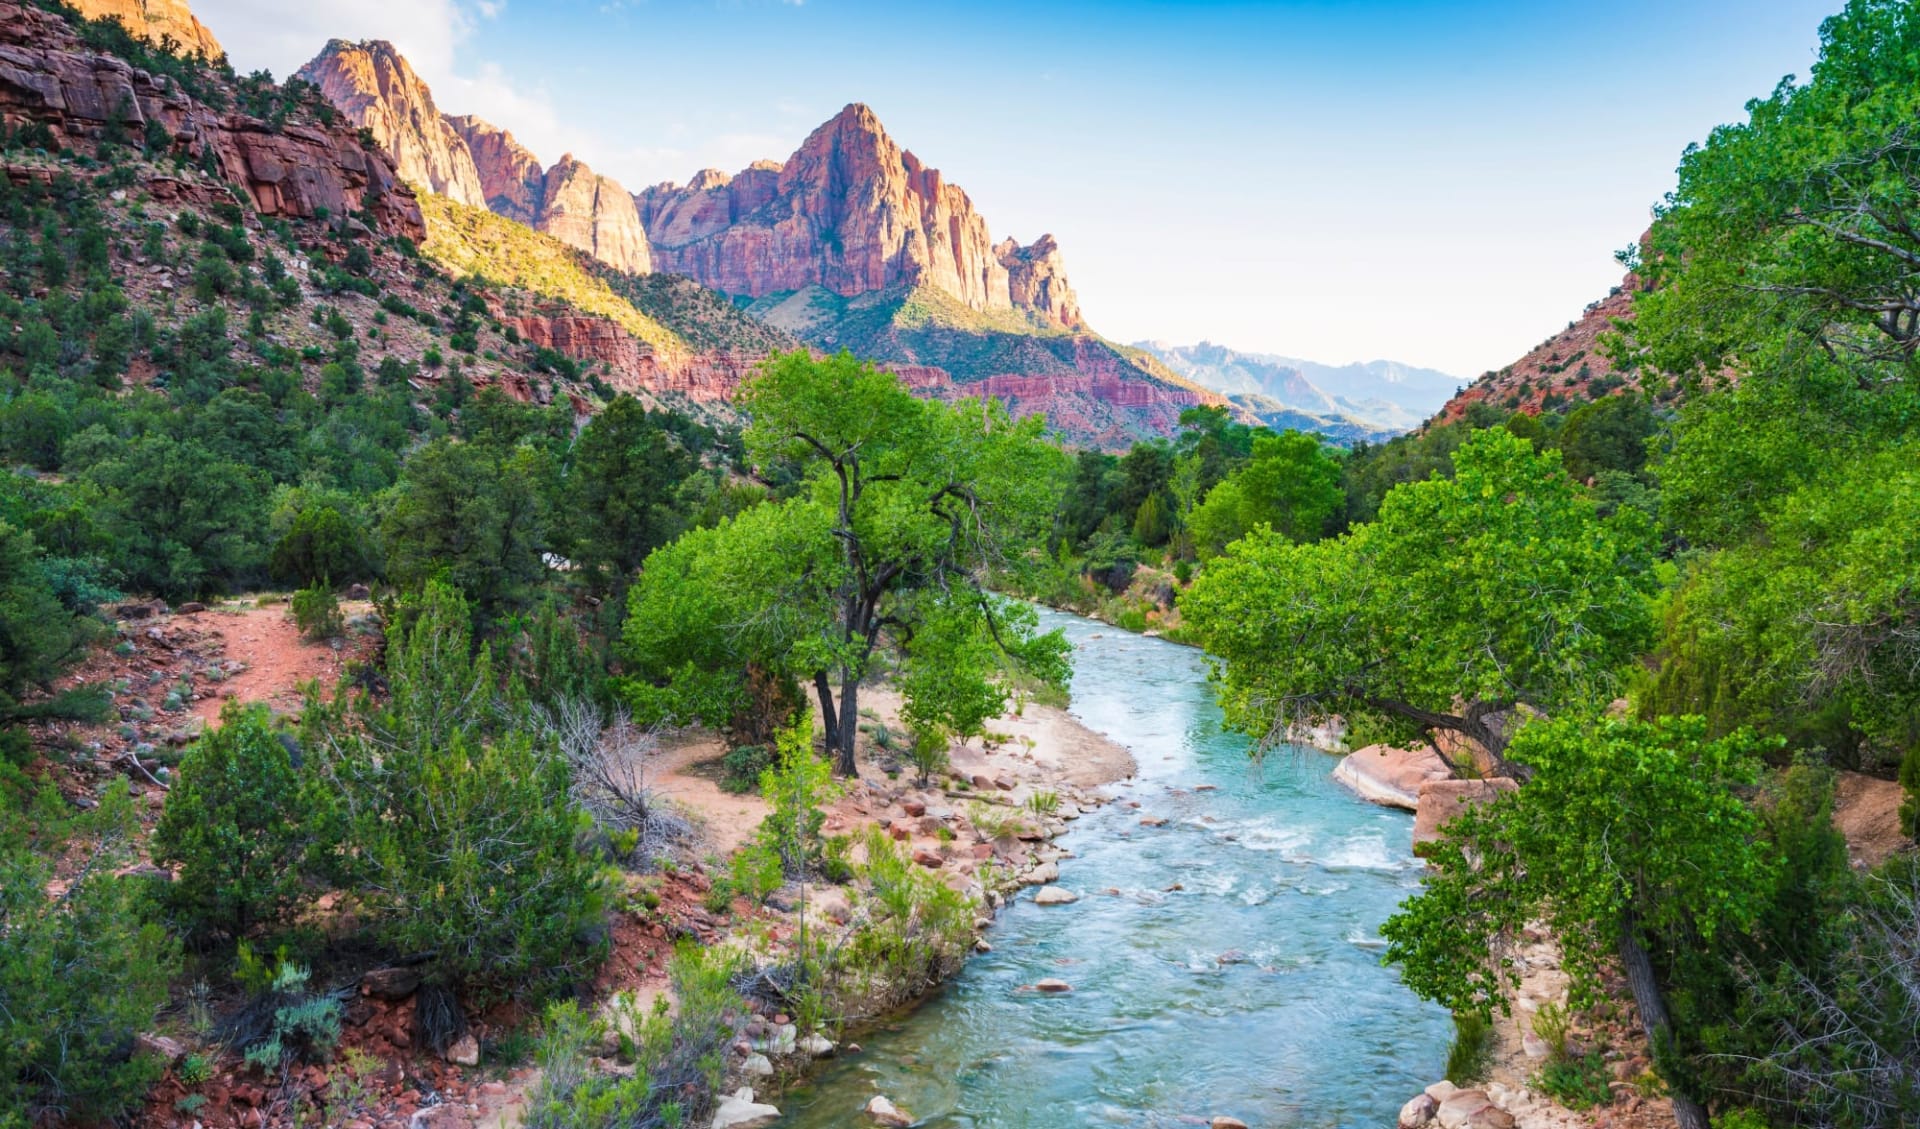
[48,75]
[853,212]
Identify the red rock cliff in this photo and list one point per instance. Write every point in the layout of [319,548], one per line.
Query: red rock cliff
[850,211]
[154,21]
[374,86]
[48,75]
[474,162]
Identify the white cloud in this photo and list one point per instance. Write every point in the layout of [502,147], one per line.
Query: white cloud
[281,37]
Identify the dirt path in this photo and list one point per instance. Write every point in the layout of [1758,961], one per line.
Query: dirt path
[276,661]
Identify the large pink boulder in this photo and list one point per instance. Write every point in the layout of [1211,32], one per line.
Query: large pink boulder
[1393,777]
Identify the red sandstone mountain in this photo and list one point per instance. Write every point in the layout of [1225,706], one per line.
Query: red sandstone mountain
[850,243]
[296,170]
[154,20]
[1563,370]
[471,162]
[375,87]
[852,212]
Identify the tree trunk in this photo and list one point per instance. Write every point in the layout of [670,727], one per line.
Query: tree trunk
[849,728]
[1647,998]
[828,718]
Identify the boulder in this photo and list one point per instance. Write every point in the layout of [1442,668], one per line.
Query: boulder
[464,1052]
[389,983]
[1225,1122]
[929,859]
[757,1066]
[1441,800]
[880,1111]
[1054,896]
[1391,777]
[1418,1111]
[1052,986]
[1045,873]
[817,1045]
[165,1049]
[738,1110]
[1472,1109]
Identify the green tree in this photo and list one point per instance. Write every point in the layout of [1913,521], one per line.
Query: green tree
[1290,484]
[82,971]
[39,639]
[477,515]
[1631,842]
[237,828]
[1470,599]
[460,817]
[181,520]
[1797,222]
[903,505]
[620,493]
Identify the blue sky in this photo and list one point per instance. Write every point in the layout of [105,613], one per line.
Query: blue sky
[1437,183]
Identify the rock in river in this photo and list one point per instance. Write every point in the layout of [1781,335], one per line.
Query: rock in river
[1054,896]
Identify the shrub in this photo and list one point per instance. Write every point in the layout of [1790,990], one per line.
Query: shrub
[465,836]
[317,612]
[742,767]
[917,932]
[286,1021]
[755,872]
[678,1055]
[80,974]
[929,753]
[1577,1081]
[238,827]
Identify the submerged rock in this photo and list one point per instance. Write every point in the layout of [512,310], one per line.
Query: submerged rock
[880,1111]
[738,1110]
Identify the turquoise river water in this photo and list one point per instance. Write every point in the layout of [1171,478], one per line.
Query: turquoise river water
[1253,989]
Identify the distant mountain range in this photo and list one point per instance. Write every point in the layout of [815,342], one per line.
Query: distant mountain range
[851,242]
[1368,400]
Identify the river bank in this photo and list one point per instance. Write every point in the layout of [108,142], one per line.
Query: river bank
[985,826]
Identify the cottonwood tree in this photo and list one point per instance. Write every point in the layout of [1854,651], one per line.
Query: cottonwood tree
[1630,841]
[902,508]
[1469,601]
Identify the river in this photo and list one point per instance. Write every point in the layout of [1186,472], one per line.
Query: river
[1235,972]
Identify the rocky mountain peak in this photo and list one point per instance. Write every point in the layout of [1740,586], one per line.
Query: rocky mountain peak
[374,86]
[155,20]
[474,162]
[852,212]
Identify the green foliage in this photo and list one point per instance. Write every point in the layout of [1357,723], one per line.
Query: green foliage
[901,505]
[463,833]
[622,484]
[1806,628]
[475,515]
[917,930]
[742,766]
[239,828]
[1498,588]
[81,973]
[316,611]
[677,1056]
[320,544]
[288,1022]
[1291,484]
[1625,828]
[1577,1081]
[38,637]
[928,753]
[796,786]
